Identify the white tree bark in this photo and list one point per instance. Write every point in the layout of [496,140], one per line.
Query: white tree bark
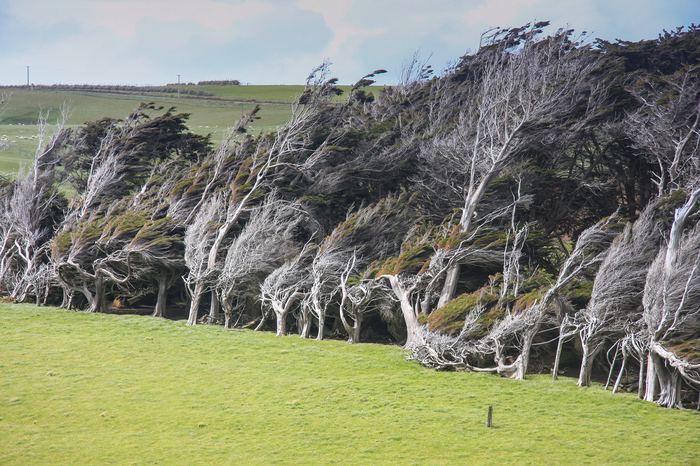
[161,297]
[403,293]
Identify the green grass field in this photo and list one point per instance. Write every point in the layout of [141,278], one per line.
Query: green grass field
[78,388]
[269,93]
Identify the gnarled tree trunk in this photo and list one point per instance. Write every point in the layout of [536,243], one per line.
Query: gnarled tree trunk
[194,303]
[66,298]
[669,382]
[214,309]
[584,376]
[523,360]
[97,301]
[413,327]
[161,300]
[281,324]
[650,391]
[557,357]
[356,329]
[281,312]
[304,322]
[321,324]
[450,286]
[640,388]
[353,329]
[622,370]
[305,328]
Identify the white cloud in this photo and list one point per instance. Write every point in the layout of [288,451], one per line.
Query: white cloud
[147,41]
[124,18]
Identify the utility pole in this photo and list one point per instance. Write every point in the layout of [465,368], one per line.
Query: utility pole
[28,76]
[178,87]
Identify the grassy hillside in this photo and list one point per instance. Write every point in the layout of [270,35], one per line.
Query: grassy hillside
[209,115]
[280,93]
[18,121]
[79,388]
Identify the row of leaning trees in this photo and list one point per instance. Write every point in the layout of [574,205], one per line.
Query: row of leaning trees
[533,207]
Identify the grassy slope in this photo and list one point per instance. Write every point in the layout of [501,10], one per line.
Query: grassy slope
[17,122]
[80,388]
[278,93]
[269,93]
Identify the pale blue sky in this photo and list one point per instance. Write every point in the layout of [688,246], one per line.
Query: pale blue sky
[280,41]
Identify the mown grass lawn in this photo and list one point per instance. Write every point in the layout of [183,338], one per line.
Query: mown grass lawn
[77,388]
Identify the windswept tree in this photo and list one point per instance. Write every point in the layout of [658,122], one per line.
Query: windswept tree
[672,310]
[289,147]
[155,257]
[411,275]
[666,129]
[616,297]
[73,254]
[226,159]
[325,271]
[370,234]
[512,336]
[269,238]
[522,86]
[102,212]
[125,152]
[199,237]
[427,253]
[359,299]
[32,212]
[286,286]
[586,256]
